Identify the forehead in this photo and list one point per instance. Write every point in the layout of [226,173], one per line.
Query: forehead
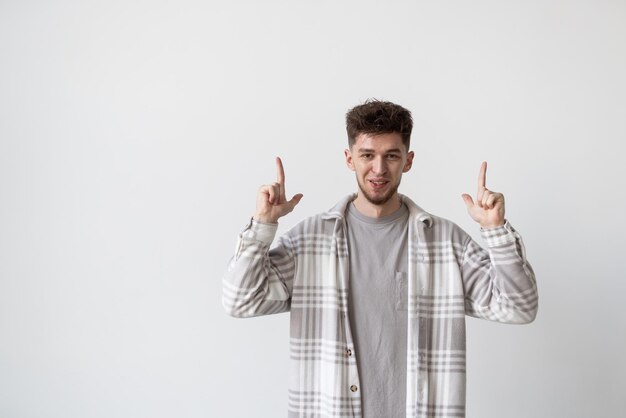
[379,142]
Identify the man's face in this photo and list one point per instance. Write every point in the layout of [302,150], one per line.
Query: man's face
[379,161]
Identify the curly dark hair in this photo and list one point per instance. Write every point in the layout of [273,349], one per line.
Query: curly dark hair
[379,117]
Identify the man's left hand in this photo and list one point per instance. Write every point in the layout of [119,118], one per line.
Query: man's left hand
[488,210]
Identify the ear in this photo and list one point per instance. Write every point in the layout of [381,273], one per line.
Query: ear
[409,162]
[349,161]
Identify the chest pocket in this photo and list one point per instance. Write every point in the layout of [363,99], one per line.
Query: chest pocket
[401,291]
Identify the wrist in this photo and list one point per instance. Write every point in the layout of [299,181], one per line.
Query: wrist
[492,226]
[265,219]
[261,231]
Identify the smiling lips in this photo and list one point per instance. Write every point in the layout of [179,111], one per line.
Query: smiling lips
[378,183]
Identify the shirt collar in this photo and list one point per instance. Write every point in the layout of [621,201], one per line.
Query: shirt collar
[415,212]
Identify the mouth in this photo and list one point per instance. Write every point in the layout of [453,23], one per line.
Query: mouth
[378,183]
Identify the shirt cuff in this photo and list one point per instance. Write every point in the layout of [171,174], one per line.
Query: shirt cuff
[260,231]
[500,235]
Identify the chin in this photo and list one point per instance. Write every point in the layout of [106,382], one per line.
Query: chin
[379,200]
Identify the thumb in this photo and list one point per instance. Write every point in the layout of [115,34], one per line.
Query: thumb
[469,202]
[295,200]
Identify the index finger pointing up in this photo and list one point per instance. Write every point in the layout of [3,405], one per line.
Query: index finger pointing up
[482,177]
[281,171]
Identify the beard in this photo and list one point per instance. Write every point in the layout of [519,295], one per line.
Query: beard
[378,200]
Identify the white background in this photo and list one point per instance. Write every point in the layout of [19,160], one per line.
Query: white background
[134,136]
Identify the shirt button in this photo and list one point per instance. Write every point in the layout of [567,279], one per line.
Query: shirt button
[353,388]
[349,352]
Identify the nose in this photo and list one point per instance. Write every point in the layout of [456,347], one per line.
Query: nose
[379,166]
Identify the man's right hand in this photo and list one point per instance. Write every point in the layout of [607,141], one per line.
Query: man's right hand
[271,202]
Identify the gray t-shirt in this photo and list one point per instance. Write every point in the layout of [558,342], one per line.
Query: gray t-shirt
[378,308]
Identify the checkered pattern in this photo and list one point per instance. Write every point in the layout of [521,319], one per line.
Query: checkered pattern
[449,276]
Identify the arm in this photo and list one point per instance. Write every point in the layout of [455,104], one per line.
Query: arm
[499,282]
[259,280]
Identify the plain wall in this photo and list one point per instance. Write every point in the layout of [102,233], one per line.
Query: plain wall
[134,136]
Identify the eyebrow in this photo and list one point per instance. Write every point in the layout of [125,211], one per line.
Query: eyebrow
[390,151]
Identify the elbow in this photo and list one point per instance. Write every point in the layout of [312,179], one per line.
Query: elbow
[236,314]
[233,313]
[532,315]
[524,320]
[531,308]
[524,310]
[525,315]
[233,309]
[236,303]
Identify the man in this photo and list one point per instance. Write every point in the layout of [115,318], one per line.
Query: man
[378,288]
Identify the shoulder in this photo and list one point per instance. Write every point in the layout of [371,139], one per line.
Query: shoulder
[319,223]
[324,223]
[443,229]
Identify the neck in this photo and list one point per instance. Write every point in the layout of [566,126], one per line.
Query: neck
[372,210]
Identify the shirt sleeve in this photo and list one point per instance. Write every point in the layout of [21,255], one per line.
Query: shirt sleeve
[259,280]
[499,282]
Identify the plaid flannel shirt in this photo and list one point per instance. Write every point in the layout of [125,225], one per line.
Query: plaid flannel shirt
[449,276]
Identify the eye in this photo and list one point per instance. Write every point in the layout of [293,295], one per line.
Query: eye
[393,156]
[366,156]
